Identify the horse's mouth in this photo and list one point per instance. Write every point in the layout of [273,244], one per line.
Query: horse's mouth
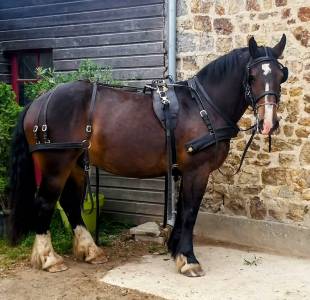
[269,130]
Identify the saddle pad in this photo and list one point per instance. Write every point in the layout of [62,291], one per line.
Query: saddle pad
[173,107]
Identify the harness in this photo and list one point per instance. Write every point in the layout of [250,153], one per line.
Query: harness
[166,108]
[214,135]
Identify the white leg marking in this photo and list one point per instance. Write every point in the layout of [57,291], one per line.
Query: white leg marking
[43,255]
[190,270]
[84,247]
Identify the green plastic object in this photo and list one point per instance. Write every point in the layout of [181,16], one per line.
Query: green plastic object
[89,217]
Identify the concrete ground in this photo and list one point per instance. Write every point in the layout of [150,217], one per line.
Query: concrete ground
[230,274]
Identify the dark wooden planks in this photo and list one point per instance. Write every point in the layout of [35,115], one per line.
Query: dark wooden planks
[69,7]
[110,51]
[83,17]
[120,62]
[131,218]
[85,29]
[156,184]
[136,207]
[5,68]
[126,35]
[132,195]
[86,41]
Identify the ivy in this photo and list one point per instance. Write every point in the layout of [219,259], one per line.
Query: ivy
[9,111]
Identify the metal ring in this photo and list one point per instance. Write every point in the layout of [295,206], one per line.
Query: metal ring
[88,128]
[35,128]
[44,127]
[203,112]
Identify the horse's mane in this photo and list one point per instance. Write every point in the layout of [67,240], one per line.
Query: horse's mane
[220,67]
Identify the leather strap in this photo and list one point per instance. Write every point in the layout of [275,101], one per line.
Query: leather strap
[58,146]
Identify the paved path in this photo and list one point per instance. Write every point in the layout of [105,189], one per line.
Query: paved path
[227,276]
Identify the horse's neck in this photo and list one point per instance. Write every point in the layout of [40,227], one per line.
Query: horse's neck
[228,93]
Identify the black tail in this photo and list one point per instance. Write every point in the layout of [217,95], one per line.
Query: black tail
[22,184]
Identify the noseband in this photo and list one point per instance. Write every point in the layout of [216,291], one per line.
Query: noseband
[250,98]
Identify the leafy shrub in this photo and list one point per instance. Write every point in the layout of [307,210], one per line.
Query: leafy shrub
[88,70]
[9,111]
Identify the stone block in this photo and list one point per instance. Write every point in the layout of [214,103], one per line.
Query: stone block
[302,132]
[286,159]
[201,6]
[304,14]
[258,209]
[302,35]
[202,23]
[223,26]
[281,2]
[274,176]
[224,44]
[252,5]
[150,229]
[304,156]
[304,121]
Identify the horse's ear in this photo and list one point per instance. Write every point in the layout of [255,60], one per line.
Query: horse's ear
[277,50]
[253,47]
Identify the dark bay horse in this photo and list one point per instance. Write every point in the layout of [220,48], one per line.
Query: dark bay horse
[128,140]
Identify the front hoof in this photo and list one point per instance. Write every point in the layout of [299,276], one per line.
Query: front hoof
[188,269]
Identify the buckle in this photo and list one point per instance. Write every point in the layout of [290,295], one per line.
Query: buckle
[35,128]
[44,127]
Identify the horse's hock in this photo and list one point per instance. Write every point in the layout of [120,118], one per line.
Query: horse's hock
[272,187]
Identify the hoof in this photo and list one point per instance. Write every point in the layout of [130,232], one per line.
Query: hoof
[84,247]
[188,269]
[57,268]
[44,257]
[96,256]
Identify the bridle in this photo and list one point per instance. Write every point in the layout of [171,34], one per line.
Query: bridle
[252,99]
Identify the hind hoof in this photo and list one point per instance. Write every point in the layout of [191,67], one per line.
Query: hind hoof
[57,268]
[188,269]
[96,256]
[84,247]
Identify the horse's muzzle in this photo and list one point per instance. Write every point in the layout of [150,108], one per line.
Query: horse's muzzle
[274,128]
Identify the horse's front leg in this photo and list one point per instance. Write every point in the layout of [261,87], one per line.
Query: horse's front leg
[194,184]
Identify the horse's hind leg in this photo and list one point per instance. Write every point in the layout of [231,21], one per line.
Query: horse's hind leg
[84,247]
[54,176]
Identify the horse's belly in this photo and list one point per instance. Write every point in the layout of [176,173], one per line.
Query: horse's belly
[130,149]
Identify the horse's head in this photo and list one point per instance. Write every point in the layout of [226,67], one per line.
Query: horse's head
[263,83]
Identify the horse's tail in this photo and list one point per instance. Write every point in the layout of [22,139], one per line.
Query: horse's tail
[22,184]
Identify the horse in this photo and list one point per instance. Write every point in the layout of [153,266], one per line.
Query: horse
[128,140]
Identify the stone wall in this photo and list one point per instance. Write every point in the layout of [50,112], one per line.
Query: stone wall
[272,186]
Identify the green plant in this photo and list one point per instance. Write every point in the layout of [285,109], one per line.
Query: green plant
[9,111]
[88,70]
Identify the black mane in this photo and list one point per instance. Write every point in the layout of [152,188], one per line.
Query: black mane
[220,67]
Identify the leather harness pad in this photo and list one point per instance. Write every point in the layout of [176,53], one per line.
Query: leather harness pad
[173,107]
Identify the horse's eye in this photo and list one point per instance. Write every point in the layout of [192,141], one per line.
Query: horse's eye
[251,78]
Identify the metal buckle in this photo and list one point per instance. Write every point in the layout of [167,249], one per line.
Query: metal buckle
[44,127]
[203,112]
[88,128]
